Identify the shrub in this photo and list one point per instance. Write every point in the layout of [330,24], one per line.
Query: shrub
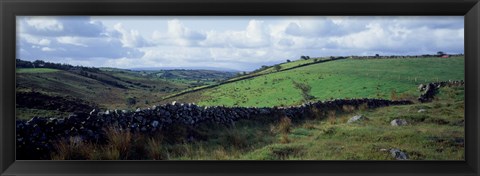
[131,101]
[305,89]
[277,67]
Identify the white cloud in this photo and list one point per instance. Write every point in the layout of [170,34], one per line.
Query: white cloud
[178,34]
[255,35]
[47,49]
[130,38]
[44,23]
[246,45]
[72,41]
[36,40]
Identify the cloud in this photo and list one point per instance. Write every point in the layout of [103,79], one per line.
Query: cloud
[44,24]
[243,44]
[77,41]
[178,34]
[61,26]
[36,40]
[76,38]
[130,38]
[255,35]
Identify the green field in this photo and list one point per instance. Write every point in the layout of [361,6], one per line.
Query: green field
[348,78]
[36,70]
[437,134]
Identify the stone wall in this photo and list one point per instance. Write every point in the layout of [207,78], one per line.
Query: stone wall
[35,136]
[431,89]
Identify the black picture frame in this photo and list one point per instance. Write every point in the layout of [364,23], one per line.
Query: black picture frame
[9,9]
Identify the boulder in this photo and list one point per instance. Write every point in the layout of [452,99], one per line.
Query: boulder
[357,118]
[398,122]
[398,154]
[421,87]
[422,110]
[155,124]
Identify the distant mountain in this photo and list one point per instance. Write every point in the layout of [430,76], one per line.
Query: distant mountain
[184,68]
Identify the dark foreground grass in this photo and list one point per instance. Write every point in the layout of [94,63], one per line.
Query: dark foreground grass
[435,134]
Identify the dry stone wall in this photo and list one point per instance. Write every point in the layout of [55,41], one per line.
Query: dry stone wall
[35,137]
[431,89]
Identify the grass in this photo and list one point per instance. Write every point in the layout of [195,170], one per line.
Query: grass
[431,137]
[36,70]
[70,83]
[348,78]
[436,134]
[27,114]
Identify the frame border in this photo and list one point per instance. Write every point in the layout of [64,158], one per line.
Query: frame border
[470,9]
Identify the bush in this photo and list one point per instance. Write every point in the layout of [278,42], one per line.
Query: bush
[305,89]
[277,67]
[131,101]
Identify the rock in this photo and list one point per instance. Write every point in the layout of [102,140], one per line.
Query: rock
[421,87]
[174,102]
[138,118]
[138,110]
[398,155]
[357,118]
[422,110]
[155,124]
[107,112]
[398,122]
[92,112]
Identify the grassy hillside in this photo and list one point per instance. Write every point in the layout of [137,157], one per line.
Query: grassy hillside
[349,78]
[436,134]
[109,88]
[102,88]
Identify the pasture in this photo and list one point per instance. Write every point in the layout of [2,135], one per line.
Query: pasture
[349,78]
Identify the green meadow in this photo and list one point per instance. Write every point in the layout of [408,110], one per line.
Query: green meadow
[36,70]
[348,78]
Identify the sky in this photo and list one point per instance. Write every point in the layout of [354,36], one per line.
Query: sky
[228,42]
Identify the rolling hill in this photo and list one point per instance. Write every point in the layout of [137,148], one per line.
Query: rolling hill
[347,78]
[107,88]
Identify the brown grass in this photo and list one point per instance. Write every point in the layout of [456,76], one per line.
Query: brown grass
[363,107]
[348,108]
[72,149]
[155,150]
[285,125]
[120,140]
[332,117]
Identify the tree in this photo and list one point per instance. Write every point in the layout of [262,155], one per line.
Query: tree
[440,53]
[305,89]
[288,60]
[277,67]
[303,57]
